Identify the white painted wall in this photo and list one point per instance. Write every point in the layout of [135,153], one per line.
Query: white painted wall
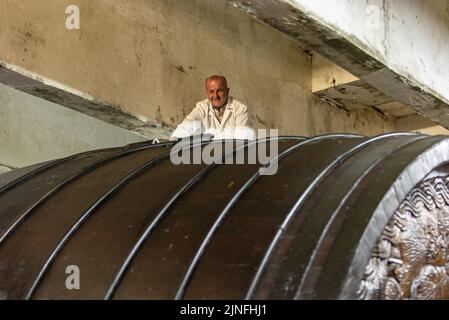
[34,130]
[411,37]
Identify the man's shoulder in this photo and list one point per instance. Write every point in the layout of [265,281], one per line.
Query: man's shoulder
[203,104]
[237,104]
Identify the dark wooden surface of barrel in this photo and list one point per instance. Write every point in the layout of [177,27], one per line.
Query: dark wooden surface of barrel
[140,227]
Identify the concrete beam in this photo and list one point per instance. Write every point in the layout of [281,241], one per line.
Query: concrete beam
[341,88]
[338,31]
[33,130]
[27,82]
[355,92]
[396,109]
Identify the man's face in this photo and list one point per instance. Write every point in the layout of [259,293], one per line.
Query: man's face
[217,92]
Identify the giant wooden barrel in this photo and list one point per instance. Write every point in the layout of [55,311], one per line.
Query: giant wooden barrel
[344,217]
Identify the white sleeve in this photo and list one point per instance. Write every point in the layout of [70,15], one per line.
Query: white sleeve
[190,126]
[243,129]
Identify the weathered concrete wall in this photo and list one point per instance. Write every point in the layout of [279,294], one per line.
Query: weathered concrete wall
[34,130]
[325,119]
[150,58]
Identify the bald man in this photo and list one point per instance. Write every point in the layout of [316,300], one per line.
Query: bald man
[220,114]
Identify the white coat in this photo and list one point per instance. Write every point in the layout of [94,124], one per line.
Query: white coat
[202,120]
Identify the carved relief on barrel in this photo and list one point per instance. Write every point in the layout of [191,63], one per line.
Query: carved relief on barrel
[410,260]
